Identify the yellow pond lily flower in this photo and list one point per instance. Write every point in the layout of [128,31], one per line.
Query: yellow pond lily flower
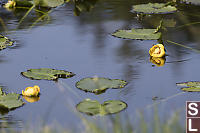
[158,61]
[157,51]
[31,99]
[10,4]
[31,91]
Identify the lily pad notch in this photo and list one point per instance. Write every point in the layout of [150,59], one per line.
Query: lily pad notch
[47,74]
[99,85]
[93,107]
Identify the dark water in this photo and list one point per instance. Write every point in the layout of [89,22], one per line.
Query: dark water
[84,45]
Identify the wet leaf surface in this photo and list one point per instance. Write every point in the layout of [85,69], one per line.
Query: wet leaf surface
[93,107]
[138,34]
[99,85]
[154,8]
[192,86]
[47,73]
[10,100]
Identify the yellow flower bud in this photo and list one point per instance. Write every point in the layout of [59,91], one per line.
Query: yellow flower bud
[31,91]
[157,51]
[10,4]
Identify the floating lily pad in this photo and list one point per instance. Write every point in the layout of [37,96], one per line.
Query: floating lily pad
[192,86]
[5,42]
[93,107]
[99,85]
[154,8]
[139,34]
[47,73]
[195,2]
[10,100]
[49,3]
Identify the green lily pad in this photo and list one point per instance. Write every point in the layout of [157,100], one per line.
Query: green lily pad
[154,8]
[93,107]
[195,2]
[5,42]
[139,34]
[99,85]
[48,3]
[47,73]
[192,86]
[10,100]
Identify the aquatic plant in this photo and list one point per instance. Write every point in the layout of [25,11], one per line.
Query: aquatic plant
[31,91]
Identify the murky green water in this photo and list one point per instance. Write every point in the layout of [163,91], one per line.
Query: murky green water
[84,45]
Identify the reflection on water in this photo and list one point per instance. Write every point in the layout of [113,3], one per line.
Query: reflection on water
[8,121]
[83,44]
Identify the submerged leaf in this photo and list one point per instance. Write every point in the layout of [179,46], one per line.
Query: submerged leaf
[4,42]
[93,107]
[47,73]
[169,23]
[99,85]
[154,8]
[192,86]
[139,34]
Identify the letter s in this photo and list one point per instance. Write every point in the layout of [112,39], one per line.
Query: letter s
[191,107]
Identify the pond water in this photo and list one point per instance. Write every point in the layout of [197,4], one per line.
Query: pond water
[84,45]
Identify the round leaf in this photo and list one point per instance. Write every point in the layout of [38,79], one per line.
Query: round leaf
[93,107]
[99,85]
[10,101]
[47,73]
[138,34]
[114,106]
[89,107]
[154,8]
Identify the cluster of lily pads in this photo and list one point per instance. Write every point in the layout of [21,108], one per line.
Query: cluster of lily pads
[94,85]
[157,52]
